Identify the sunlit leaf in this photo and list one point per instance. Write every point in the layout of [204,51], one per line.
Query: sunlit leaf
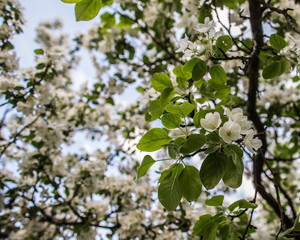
[170,193]
[147,162]
[153,140]
[86,10]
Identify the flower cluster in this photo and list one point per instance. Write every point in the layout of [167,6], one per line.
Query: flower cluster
[198,48]
[277,94]
[235,128]
[189,48]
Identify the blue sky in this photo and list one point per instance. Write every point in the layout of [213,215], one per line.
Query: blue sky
[37,11]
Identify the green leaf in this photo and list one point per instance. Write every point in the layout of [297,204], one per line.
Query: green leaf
[183,109]
[107,2]
[196,120]
[213,137]
[147,162]
[286,232]
[224,92]
[296,78]
[230,3]
[181,82]
[190,183]
[237,154]
[215,201]
[202,224]
[171,120]
[155,109]
[235,167]
[224,43]
[212,149]
[110,100]
[193,143]
[40,66]
[272,70]
[179,72]
[161,81]
[245,204]
[182,76]
[179,141]
[213,169]
[125,22]
[199,83]
[277,42]
[172,172]
[242,203]
[153,140]
[39,51]
[233,177]
[108,20]
[233,206]
[173,152]
[199,70]
[170,193]
[207,91]
[285,66]
[189,65]
[207,226]
[217,74]
[86,10]
[166,96]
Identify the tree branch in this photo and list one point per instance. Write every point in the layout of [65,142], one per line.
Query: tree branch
[290,20]
[258,43]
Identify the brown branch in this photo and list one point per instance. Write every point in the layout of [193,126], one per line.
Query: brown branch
[258,43]
[228,29]
[279,159]
[276,185]
[290,20]
[286,195]
[17,135]
[251,217]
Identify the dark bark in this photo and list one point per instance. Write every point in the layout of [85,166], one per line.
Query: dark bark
[258,42]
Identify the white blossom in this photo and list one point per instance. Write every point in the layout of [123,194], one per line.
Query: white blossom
[230,131]
[131,224]
[19,235]
[208,27]
[211,121]
[183,44]
[189,48]
[251,142]
[236,115]
[194,48]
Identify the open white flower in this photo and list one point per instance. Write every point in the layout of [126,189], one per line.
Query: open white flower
[183,44]
[245,124]
[211,121]
[206,26]
[251,142]
[236,115]
[193,48]
[230,131]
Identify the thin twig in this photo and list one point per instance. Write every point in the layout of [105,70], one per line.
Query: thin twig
[290,20]
[17,135]
[251,216]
